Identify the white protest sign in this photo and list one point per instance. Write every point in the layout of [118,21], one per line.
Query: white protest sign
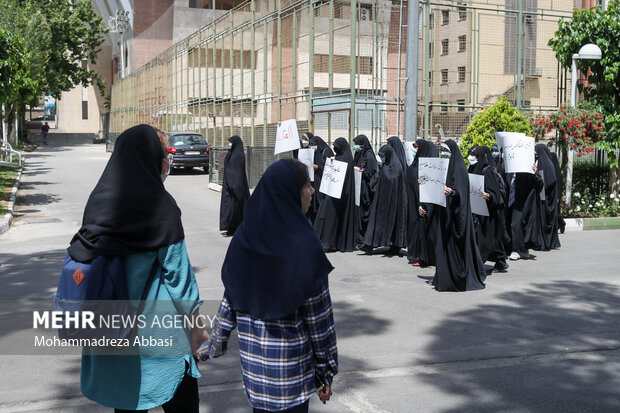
[306,156]
[499,137]
[287,137]
[476,197]
[333,178]
[409,152]
[518,153]
[358,186]
[432,173]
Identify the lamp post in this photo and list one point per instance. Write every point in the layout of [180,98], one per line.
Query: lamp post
[119,24]
[588,52]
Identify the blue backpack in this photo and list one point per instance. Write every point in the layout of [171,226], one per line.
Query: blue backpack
[100,287]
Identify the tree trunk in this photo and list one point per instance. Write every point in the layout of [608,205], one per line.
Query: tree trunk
[614,181]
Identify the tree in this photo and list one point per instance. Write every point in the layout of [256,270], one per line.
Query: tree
[603,87]
[58,35]
[500,117]
[16,83]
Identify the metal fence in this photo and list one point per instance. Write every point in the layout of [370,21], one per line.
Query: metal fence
[338,67]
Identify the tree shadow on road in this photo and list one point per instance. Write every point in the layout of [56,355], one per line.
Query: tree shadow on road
[546,348]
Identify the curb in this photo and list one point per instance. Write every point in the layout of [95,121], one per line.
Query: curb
[5,221]
[215,187]
[591,224]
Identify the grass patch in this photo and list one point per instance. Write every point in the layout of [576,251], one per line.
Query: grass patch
[7,180]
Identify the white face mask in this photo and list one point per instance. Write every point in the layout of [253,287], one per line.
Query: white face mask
[472,160]
[229,144]
[163,177]
[304,144]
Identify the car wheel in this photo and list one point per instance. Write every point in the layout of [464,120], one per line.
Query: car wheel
[205,169]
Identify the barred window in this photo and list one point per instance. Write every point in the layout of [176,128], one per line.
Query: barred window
[462,43]
[444,76]
[461,74]
[445,17]
[444,47]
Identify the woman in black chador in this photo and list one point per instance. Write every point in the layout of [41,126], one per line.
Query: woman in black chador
[420,239]
[490,230]
[523,212]
[366,162]
[458,263]
[235,190]
[321,153]
[337,219]
[549,207]
[387,215]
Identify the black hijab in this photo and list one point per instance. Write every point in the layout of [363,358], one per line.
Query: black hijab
[274,261]
[129,210]
[235,178]
[399,151]
[362,141]
[483,153]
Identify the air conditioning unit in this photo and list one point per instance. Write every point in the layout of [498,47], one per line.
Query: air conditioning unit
[364,14]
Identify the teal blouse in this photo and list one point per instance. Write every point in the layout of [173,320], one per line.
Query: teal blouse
[138,382]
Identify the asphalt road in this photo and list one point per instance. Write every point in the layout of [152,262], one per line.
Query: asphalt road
[543,337]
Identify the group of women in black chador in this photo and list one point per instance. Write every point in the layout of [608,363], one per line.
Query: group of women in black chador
[524,208]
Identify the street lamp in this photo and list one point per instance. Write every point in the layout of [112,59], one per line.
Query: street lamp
[588,52]
[119,24]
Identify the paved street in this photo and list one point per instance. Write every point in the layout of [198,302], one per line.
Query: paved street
[544,337]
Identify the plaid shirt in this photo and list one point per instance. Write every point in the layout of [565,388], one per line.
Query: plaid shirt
[280,357]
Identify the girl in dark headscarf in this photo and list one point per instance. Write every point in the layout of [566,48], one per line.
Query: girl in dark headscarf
[235,190]
[277,296]
[549,207]
[420,242]
[560,188]
[490,230]
[387,217]
[336,221]
[458,263]
[321,153]
[366,162]
[130,214]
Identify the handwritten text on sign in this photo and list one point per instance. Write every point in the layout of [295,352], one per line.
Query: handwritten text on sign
[287,137]
[476,195]
[432,173]
[334,174]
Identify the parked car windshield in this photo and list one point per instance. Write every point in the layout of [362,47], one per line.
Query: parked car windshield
[177,140]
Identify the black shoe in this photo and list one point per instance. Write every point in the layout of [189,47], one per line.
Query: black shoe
[366,249]
[500,268]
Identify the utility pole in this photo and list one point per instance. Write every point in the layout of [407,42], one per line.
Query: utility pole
[411,85]
[119,23]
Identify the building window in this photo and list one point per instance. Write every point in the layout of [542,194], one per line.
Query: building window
[445,17]
[444,76]
[444,47]
[84,94]
[462,43]
[444,106]
[461,105]
[431,22]
[461,74]
[430,78]
[462,13]
[340,64]
[431,46]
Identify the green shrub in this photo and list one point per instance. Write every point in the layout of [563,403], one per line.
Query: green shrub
[501,117]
